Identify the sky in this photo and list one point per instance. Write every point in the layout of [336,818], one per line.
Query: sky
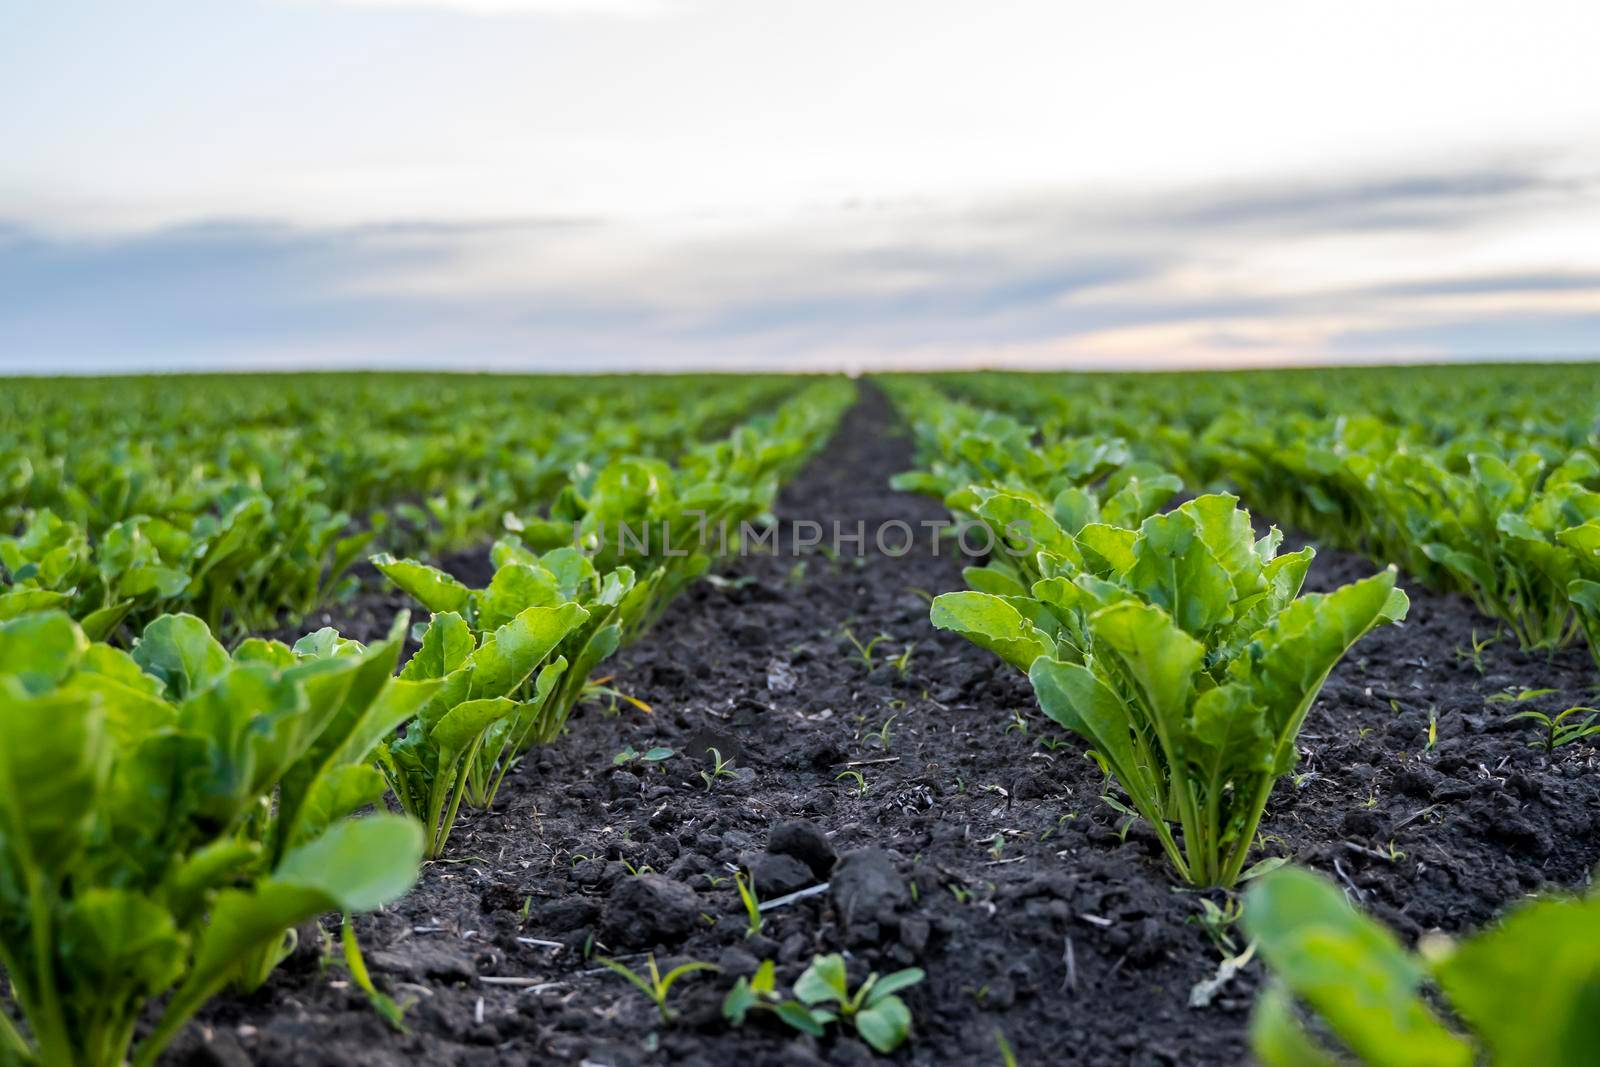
[764,184]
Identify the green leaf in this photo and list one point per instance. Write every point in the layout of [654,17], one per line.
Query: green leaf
[1225,529]
[1176,570]
[1548,952]
[179,650]
[893,983]
[40,651]
[514,588]
[993,623]
[1286,665]
[738,1002]
[359,864]
[884,1024]
[445,647]
[53,769]
[1154,654]
[1107,550]
[116,943]
[1278,1039]
[30,601]
[823,981]
[798,1017]
[1350,970]
[509,656]
[1073,696]
[429,586]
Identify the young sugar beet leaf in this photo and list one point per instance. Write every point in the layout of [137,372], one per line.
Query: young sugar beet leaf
[759,992]
[431,767]
[130,788]
[334,776]
[1185,656]
[878,1015]
[523,580]
[629,755]
[1367,990]
[653,983]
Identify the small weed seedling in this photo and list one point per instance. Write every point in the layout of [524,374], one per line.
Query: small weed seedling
[882,732]
[902,662]
[655,985]
[1474,652]
[629,756]
[822,996]
[1558,730]
[388,1010]
[864,652]
[752,905]
[719,769]
[879,1016]
[1517,697]
[858,778]
[1216,920]
[1007,1057]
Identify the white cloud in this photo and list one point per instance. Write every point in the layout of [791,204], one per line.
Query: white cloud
[695,179]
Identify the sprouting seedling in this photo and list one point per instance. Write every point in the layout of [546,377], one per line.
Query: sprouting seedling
[1018,723]
[997,845]
[863,652]
[1007,1057]
[630,755]
[902,662]
[653,983]
[857,777]
[1518,697]
[719,769]
[752,904]
[1558,731]
[880,1017]
[1216,920]
[391,1012]
[1433,728]
[882,732]
[1474,651]
[1129,815]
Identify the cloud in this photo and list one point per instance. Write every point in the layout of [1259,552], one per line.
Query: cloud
[1468,263]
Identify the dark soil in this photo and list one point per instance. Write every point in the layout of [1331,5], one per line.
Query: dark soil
[975,844]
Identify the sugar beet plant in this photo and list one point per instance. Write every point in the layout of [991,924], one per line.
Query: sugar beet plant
[166,817]
[1383,1004]
[1184,654]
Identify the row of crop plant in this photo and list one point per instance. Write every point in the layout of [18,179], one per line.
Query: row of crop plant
[1176,643]
[246,500]
[169,813]
[1486,484]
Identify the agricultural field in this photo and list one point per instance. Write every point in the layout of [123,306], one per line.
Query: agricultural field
[1152,719]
